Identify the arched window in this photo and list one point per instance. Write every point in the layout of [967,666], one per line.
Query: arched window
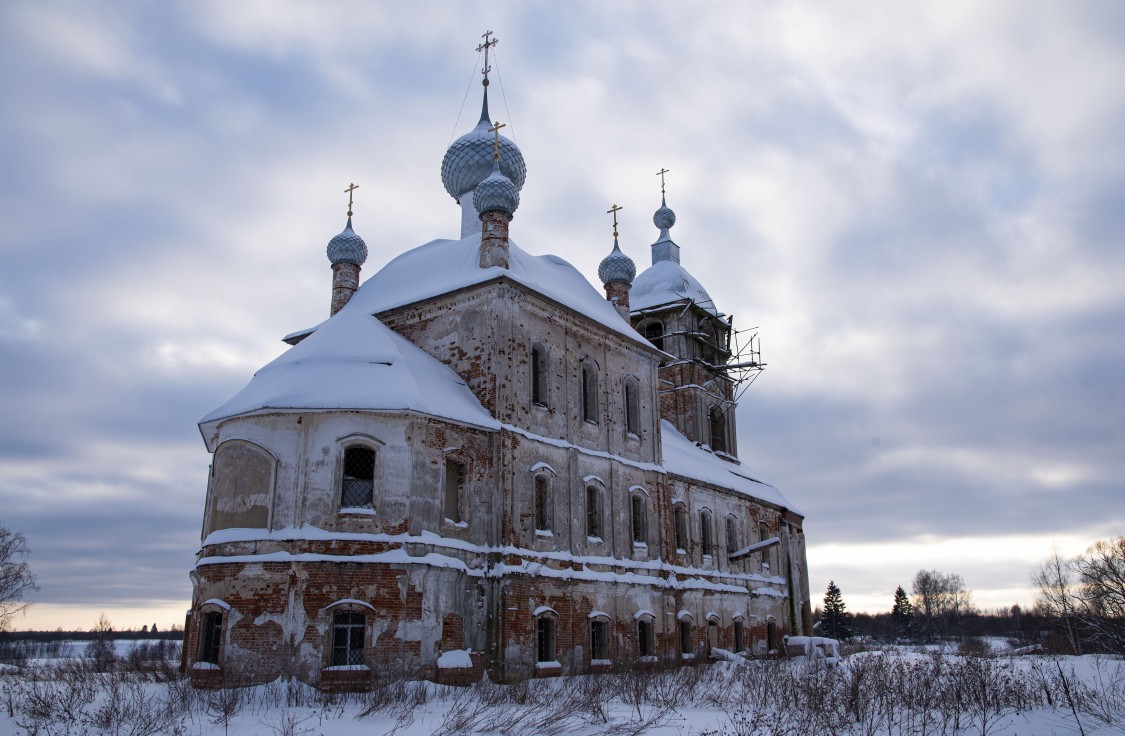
[242,478]
[357,486]
[767,553]
[640,519]
[685,636]
[646,647]
[632,407]
[590,391]
[681,527]
[211,636]
[654,333]
[706,536]
[599,639]
[593,512]
[712,634]
[539,374]
[452,502]
[543,505]
[545,639]
[708,344]
[739,635]
[347,638]
[718,423]
[732,536]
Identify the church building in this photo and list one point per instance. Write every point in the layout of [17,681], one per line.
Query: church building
[480,464]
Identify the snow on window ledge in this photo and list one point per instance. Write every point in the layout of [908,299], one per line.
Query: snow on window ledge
[346,668]
[681,551]
[688,655]
[640,545]
[456,524]
[548,665]
[544,533]
[595,540]
[648,658]
[601,662]
[205,666]
[357,510]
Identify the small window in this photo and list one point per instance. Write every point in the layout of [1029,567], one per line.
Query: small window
[599,640]
[708,344]
[718,423]
[454,483]
[732,536]
[685,636]
[767,553]
[589,391]
[539,374]
[654,333]
[681,527]
[640,522]
[347,638]
[632,408]
[593,512]
[706,538]
[712,635]
[359,477]
[211,637]
[644,638]
[545,639]
[739,634]
[543,505]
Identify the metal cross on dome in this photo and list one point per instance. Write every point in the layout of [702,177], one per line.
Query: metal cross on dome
[496,144]
[351,188]
[614,210]
[661,174]
[488,43]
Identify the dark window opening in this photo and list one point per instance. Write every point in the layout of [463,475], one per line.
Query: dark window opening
[739,644]
[542,504]
[593,512]
[347,638]
[632,408]
[708,343]
[718,422]
[545,640]
[681,528]
[359,477]
[654,333]
[644,638]
[732,536]
[539,375]
[712,635]
[706,540]
[685,636]
[454,480]
[211,637]
[599,640]
[640,531]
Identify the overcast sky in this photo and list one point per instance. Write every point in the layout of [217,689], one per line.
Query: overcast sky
[921,208]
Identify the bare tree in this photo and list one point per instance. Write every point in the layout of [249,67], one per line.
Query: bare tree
[1056,599]
[1101,588]
[941,602]
[16,578]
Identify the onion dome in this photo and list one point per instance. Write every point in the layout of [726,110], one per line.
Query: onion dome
[347,247]
[664,218]
[468,160]
[497,192]
[617,268]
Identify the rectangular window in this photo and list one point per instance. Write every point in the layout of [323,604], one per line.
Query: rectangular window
[542,504]
[640,535]
[539,375]
[599,640]
[589,392]
[545,640]
[593,512]
[632,408]
[739,644]
[211,637]
[681,528]
[685,636]
[347,638]
[454,480]
[359,477]
[644,638]
[705,536]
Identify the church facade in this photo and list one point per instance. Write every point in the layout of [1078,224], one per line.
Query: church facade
[480,464]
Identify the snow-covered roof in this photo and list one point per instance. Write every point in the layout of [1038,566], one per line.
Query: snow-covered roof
[667,282]
[354,361]
[683,457]
[442,266]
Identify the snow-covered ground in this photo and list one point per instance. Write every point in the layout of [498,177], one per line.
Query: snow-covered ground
[892,692]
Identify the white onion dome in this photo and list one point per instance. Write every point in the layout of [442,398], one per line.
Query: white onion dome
[468,160]
[497,192]
[664,218]
[347,247]
[617,268]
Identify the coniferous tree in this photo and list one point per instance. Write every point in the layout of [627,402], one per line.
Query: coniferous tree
[902,614]
[835,621]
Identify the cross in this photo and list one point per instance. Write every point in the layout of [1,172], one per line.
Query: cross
[488,43]
[496,146]
[614,210]
[661,174]
[351,188]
